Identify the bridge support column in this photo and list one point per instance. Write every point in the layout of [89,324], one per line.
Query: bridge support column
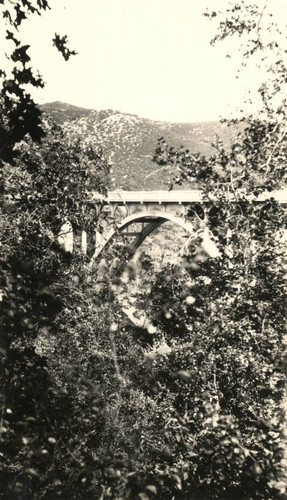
[66,237]
[84,243]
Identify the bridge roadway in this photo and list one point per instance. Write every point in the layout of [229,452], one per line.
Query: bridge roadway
[177,196]
[121,204]
[154,196]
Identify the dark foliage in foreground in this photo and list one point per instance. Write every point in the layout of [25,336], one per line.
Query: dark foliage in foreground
[93,407]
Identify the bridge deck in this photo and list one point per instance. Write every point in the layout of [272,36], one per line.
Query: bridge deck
[178,196]
[154,196]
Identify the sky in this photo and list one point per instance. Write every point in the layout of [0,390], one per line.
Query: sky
[147,57]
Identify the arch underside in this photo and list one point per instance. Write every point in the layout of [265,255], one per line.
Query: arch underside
[151,221]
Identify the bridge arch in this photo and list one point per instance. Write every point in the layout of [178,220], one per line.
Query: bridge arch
[154,216]
[151,220]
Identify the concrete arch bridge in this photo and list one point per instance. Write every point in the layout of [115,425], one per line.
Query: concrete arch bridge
[136,214]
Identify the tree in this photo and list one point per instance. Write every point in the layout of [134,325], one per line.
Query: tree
[48,179]
[236,301]
[47,184]
[19,114]
[256,30]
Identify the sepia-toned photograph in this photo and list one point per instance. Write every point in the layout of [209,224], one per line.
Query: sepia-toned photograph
[143,250]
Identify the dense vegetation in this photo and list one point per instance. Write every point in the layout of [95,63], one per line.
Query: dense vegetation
[188,406]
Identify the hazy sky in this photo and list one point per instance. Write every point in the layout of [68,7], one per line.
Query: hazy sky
[149,57]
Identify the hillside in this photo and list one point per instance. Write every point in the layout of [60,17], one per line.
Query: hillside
[129,141]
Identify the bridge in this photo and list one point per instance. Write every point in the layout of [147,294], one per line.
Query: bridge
[136,214]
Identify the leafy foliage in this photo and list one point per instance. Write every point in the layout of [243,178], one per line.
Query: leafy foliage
[19,114]
[47,184]
[61,44]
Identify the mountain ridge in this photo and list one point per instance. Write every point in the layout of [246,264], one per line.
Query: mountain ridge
[129,141]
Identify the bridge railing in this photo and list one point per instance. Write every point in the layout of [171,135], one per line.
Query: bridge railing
[154,196]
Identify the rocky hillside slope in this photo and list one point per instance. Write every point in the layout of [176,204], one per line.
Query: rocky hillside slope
[129,141]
